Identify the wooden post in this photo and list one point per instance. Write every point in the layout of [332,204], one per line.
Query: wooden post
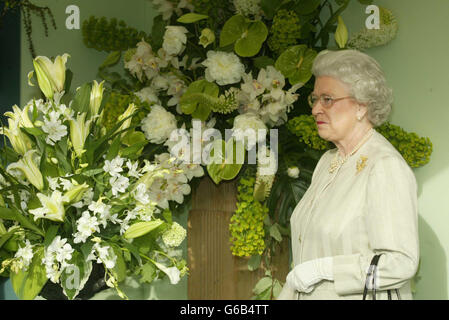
[215,274]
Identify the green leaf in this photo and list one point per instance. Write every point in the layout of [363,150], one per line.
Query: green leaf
[157,32]
[275,233]
[27,284]
[74,277]
[270,7]
[277,288]
[167,216]
[305,7]
[111,59]
[12,214]
[225,163]
[263,62]
[140,228]
[34,131]
[254,262]
[251,41]
[120,264]
[262,285]
[82,98]
[114,148]
[295,63]
[148,272]
[191,17]
[247,36]
[198,98]
[50,234]
[232,30]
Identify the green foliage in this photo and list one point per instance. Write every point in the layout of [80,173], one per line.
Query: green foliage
[285,31]
[296,62]
[110,35]
[247,223]
[304,127]
[414,149]
[116,106]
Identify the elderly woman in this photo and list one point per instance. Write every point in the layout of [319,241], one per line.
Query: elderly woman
[363,197]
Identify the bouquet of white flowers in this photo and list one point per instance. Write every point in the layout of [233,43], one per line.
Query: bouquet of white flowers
[74,194]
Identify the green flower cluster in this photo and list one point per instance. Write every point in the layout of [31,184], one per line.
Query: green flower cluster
[112,35]
[368,38]
[226,103]
[285,31]
[247,223]
[116,106]
[414,149]
[174,236]
[305,128]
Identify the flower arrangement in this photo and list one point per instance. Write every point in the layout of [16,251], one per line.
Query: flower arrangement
[74,194]
[209,66]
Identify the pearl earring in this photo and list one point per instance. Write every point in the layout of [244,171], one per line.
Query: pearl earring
[359,118]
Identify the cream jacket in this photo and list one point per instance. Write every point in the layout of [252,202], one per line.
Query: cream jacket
[367,206]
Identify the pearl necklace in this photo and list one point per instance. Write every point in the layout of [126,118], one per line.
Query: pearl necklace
[337,162]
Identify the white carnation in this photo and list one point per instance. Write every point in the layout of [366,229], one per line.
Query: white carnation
[223,67]
[158,124]
[174,40]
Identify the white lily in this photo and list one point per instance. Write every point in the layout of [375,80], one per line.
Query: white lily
[79,130]
[96,95]
[75,193]
[28,165]
[21,116]
[50,75]
[20,142]
[52,207]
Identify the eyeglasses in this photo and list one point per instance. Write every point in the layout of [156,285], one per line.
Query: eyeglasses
[325,100]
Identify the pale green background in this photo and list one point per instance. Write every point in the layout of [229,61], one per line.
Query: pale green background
[416,67]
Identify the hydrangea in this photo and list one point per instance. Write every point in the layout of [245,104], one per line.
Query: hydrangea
[174,236]
[223,67]
[158,124]
[174,40]
[285,31]
[248,8]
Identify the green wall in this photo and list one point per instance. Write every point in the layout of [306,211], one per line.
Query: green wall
[416,67]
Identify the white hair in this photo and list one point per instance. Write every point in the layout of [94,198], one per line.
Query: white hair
[364,77]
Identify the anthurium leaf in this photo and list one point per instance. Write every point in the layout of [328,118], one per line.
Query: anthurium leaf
[234,159]
[217,156]
[270,7]
[201,112]
[295,63]
[305,7]
[27,284]
[198,93]
[251,40]
[191,17]
[232,30]
[140,228]
[75,276]
[263,62]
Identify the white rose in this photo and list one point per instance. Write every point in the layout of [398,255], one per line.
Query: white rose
[246,129]
[223,67]
[174,40]
[158,124]
[293,172]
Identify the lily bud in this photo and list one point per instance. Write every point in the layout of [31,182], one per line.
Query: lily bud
[28,165]
[207,37]
[129,111]
[76,193]
[20,142]
[79,130]
[341,34]
[50,75]
[96,95]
